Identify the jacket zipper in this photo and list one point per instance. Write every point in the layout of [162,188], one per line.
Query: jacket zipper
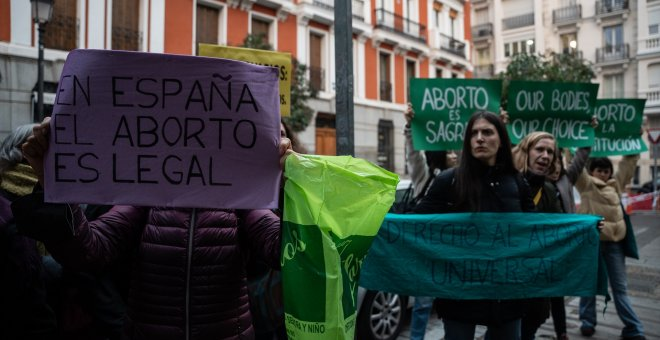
[191,232]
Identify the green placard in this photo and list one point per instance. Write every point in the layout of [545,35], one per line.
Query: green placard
[443,107]
[562,109]
[619,127]
[469,256]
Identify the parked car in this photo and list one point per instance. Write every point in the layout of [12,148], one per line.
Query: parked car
[648,186]
[381,315]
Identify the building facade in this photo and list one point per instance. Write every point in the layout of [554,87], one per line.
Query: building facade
[619,37]
[393,41]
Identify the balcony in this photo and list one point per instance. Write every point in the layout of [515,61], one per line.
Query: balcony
[317,78]
[386,91]
[612,54]
[518,21]
[604,8]
[485,71]
[652,97]
[567,15]
[395,23]
[482,31]
[452,45]
[325,3]
[649,45]
[358,9]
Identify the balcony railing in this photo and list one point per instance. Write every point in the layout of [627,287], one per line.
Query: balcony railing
[358,9]
[567,14]
[398,24]
[482,31]
[386,91]
[652,97]
[61,33]
[612,53]
[452,45]
[325,3]
[127,39]
[518,21]
[485,71]
[610,6]
[649,45]
[317,78]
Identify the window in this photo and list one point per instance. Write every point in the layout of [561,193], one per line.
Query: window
[316,71]
[568,43]
[438,73]
[61,29]
[125,20]
[261,27]
[483,56]
[454,75]
[613,38]
[481,16]
[208,24]
[385,144]
[523,46]
[385,77]
[411,72]
[613,86]
[654,20]
[654,75]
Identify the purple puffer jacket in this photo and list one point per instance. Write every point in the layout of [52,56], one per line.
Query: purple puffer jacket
[189,278]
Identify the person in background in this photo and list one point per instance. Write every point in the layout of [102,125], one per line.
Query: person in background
[535,157]
[564,178]
[189,271]
[485,180]
[424,167]
[24,309]
[600,192]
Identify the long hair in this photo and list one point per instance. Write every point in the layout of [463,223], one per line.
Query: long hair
[296,145]
[521,151]
[10,150]
[469,174]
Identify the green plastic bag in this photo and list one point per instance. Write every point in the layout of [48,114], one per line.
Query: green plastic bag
[333,208]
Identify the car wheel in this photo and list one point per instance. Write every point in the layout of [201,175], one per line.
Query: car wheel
[381,316]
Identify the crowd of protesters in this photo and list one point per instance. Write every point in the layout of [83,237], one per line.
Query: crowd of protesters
[95,272]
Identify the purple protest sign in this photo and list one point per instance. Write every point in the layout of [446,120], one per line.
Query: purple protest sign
[164,130]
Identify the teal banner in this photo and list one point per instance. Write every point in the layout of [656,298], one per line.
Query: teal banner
[562,109]
[484,256]
[444,106]
[619,127]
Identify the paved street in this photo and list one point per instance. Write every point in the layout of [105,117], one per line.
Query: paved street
[643,289]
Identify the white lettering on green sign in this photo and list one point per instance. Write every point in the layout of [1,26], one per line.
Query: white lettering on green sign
[615,112]
[569,100]
[444,131]
[616,145]
[460,97]
[560,128]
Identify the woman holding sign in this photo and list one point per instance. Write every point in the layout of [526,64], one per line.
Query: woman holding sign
[535,157]
[485,180]
[600,189]
[189,275]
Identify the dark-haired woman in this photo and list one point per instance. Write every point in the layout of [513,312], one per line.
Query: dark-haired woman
[484,181]
[600,191]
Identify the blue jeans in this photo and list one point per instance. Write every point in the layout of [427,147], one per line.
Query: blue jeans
[612,253]
[455,330]
[420,317]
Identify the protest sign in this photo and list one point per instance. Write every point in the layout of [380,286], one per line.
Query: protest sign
[444,106]
[619,127]
[164,130]
[562,109]
[281,60]
[333,207]
[484,255]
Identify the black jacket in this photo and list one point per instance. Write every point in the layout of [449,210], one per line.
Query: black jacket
[500,193]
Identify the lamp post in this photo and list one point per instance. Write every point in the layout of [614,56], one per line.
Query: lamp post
[42,10]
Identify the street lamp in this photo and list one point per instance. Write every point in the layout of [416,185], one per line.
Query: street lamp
[42,10]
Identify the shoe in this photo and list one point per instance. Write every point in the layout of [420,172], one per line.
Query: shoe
[587,331]
[635,337]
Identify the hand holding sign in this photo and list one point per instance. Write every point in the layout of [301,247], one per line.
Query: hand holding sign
[36,146]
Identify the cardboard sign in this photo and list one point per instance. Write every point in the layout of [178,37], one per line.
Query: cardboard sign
[444,106]
[164,130]
[469,256]
[281,60]
[562,109]
[619,127]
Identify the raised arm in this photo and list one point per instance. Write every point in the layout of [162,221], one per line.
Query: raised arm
[577,164]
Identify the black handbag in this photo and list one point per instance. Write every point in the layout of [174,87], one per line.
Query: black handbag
[629,243]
